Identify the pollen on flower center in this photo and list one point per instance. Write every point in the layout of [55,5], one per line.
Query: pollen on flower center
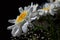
[46,8]
[21,17]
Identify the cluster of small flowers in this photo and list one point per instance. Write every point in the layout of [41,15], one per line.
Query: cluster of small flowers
[30,13]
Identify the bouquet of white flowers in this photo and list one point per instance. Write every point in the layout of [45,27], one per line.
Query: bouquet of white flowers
[35,23]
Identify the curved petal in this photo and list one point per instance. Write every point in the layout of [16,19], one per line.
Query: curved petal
[11,21]
[24,27]
[35,7]
[33,18]
[41,12]
[10,27]
[20,9]
[26,8]
[52,6]
[45,5]
[16,31]
[19,32]
[57,4]
[51,12]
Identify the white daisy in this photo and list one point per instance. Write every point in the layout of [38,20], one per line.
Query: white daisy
[23,20]
[47,8]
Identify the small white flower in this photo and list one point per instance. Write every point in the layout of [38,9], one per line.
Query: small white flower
[23,20]
[48,8]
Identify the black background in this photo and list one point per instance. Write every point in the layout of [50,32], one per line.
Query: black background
[9,10]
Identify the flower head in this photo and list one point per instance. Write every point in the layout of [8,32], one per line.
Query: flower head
[21,17]
[23,20]
[48,8]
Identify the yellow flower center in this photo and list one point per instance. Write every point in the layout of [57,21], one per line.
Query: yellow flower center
[21,17]
[46,8]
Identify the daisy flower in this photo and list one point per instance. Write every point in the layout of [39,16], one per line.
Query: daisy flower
[44,10]
[23,20]
[48,8]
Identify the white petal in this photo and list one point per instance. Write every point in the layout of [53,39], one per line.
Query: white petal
[19,32]
[20,9]
[35,7]
[24,27]
[31,4]
[33,14]
[26,8]
[33,18]
[57,4]
[46,5]
[52,5]
[41,12]
[11,21]
[30,9]
[10,27]
[13,31]
[51,12]
[16,31]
